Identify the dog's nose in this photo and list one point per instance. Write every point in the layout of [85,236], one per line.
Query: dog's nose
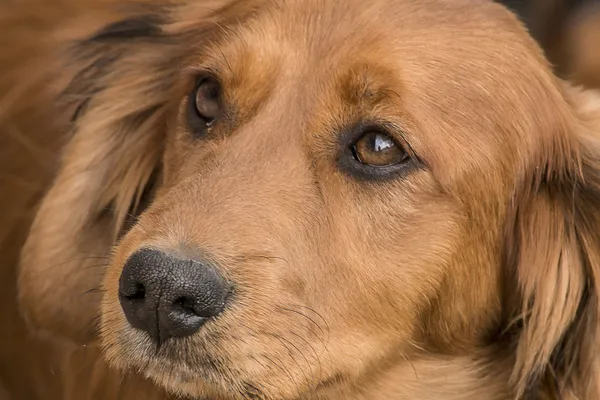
[168,296]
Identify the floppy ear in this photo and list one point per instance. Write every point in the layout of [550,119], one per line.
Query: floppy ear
[114,107]
[553,258]
[125,80]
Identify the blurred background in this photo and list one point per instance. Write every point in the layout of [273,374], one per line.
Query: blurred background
[569,32]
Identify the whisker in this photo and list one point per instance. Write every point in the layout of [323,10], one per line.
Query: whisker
[314,352]
[304,316]
[93,291]
[127,213]
[102,255]
[318,315]
[93,266]
[73,261]
[283,342]
[324,338]
[282,369]
[91,329]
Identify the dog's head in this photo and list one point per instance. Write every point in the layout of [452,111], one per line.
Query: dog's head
[294,195]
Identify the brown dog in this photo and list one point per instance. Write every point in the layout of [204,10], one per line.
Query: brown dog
[295,200]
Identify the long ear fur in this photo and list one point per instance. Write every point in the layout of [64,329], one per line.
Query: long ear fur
[114,108]
[122,82]
[553,258]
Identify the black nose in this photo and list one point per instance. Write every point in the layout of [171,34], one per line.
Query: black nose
[168,296]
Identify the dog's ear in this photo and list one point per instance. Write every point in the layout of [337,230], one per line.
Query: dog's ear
[123,81]
[553,260]
[112,109]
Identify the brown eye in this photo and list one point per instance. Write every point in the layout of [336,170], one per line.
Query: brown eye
[206,103]
[379,150]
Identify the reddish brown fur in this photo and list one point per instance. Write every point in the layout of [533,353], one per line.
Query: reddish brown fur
[474,276]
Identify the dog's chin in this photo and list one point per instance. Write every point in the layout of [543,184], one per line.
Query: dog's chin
[177,379]
[182,382]
[205,380]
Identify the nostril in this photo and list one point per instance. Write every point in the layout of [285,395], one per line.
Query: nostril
[190,306]
[139,292]
[184,303]
[134,292]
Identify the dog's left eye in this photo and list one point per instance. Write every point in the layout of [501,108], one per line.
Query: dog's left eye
[205,103]
[379,150]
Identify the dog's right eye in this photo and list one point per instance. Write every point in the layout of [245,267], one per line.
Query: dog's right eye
[205,104]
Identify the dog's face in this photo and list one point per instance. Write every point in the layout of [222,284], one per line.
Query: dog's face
[333,186]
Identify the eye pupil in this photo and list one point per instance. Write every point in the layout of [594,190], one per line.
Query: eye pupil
[378,149]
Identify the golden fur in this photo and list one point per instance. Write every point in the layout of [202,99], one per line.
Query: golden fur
[474,276]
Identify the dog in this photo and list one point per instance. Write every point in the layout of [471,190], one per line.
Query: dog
[309,199]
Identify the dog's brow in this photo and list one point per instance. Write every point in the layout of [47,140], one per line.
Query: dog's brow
[367,85]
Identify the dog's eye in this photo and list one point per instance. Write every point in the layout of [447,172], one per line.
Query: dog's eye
[379,150]
[206,103]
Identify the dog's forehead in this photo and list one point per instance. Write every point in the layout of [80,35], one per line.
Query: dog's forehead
[329,21]
[467,48]
[323,37]
[465,72]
